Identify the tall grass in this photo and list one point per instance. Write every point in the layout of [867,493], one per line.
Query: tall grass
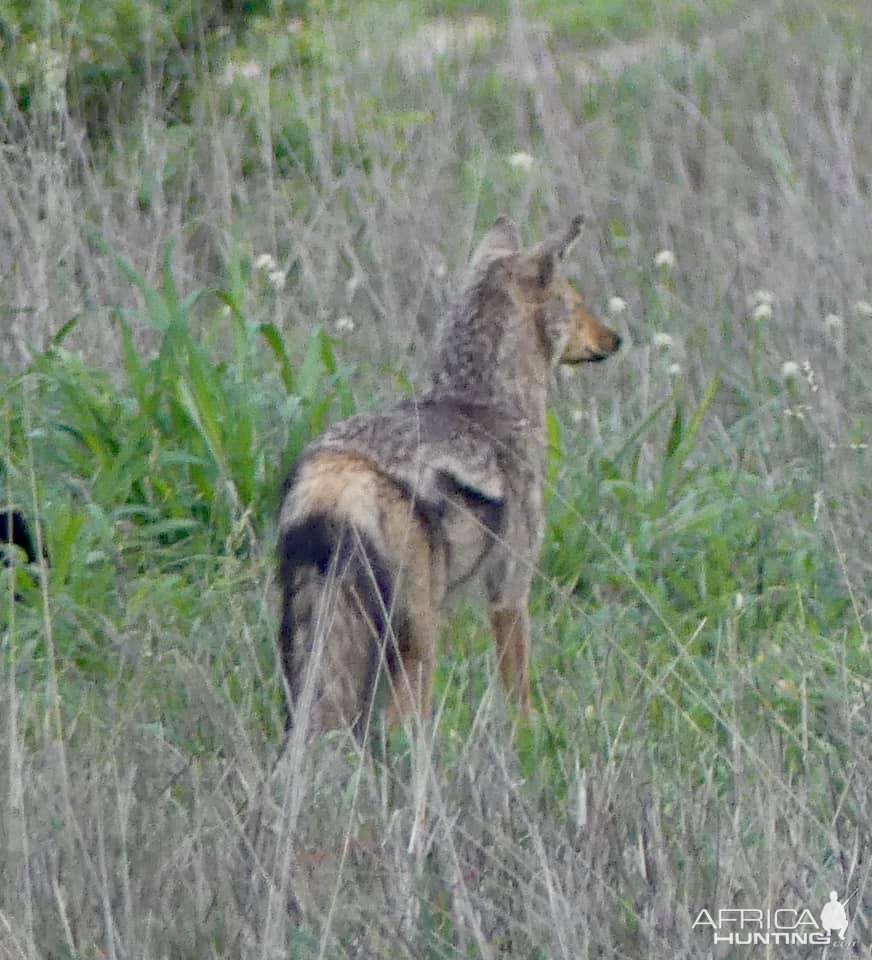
[192,289]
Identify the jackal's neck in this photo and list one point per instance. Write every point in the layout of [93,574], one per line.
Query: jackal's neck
[487,355]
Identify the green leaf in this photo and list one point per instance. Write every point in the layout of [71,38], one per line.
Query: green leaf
[675,461]
[197,407]
[158,313]
[675,432]
[62,535]
[170,294]
[274,341]
[637,432]
[555,447]
[65,330]
[310,373]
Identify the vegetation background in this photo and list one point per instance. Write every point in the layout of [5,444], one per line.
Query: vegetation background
[224,223]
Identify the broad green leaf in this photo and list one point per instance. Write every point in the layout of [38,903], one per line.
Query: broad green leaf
[274,340]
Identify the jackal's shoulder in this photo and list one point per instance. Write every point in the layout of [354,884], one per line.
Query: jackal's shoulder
[420,443]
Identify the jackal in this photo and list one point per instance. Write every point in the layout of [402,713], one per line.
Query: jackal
[388,516]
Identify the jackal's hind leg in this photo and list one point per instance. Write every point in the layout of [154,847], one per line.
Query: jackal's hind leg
[511,627]
[411,680]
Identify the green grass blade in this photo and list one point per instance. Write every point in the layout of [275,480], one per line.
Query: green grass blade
[158,312]
[270,333]
[682,449]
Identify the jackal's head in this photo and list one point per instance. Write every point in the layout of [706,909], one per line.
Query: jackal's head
[564,329]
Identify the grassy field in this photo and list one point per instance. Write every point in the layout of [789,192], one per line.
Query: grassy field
[223,226]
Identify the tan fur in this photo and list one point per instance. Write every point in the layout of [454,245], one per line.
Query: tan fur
[511,629]
[392,515]
[588,338]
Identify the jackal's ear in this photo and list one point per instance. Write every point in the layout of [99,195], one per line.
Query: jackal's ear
[501,240]
[546,256]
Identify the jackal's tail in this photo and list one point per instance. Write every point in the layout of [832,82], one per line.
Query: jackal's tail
[337,601]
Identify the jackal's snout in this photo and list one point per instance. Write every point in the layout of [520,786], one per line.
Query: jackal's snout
[589,339]
[604,342]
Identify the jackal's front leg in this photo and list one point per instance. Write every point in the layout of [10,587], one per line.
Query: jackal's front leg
[511,627]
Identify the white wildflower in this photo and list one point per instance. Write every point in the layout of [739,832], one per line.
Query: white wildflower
[264,262]
[863,308]
[674,370]
[665,260]
[763,311]
[344,325]
[617,305]
[662,341]
[250,70]
[738,601]
[54,73]
[522,161]
[789,371]
[277,279]
[351,285]
[763,296]
[577,416]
